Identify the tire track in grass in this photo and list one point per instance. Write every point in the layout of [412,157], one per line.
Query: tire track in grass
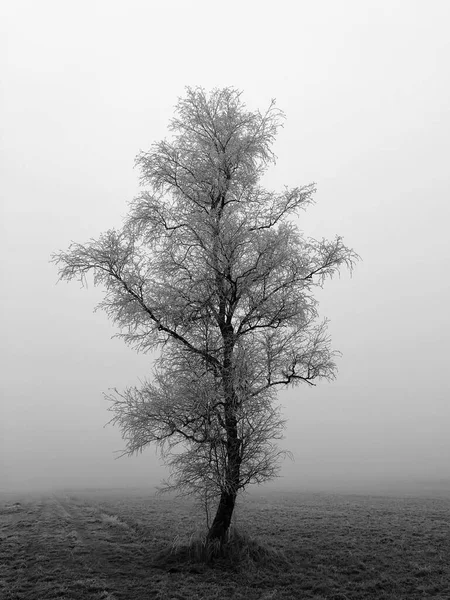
[111,555]
[91,545]
[38,565]
[40,562]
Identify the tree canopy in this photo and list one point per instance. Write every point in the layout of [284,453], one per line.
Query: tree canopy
[212,270]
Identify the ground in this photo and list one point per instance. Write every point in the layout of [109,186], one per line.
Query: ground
[105,546]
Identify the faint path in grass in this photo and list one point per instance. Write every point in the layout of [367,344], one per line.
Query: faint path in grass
[106,548]
[54,548]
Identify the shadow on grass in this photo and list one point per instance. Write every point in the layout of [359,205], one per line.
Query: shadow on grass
[240,554]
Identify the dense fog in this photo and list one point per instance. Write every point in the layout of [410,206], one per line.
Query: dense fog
[365,88]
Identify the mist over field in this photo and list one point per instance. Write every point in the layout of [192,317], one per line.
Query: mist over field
[366,91]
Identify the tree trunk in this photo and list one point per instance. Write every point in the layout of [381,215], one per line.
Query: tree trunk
[222,520]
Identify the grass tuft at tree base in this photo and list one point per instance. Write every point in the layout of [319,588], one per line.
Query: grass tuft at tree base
[240,553]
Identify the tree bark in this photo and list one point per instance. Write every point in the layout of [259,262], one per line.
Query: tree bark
[222,520]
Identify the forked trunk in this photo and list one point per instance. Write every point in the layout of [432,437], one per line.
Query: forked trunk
[222,520]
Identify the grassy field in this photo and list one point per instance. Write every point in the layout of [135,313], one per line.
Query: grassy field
[105,546]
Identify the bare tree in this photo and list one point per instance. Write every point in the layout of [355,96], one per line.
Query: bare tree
[211,269]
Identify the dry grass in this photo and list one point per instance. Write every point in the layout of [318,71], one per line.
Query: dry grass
[240,554]
[113,546]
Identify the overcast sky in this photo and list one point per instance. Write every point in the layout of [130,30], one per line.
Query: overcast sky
[365,86]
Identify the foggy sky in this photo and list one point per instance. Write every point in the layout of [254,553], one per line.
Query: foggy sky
[365,88]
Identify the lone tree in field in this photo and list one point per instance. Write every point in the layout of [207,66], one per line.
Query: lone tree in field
[211,269]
